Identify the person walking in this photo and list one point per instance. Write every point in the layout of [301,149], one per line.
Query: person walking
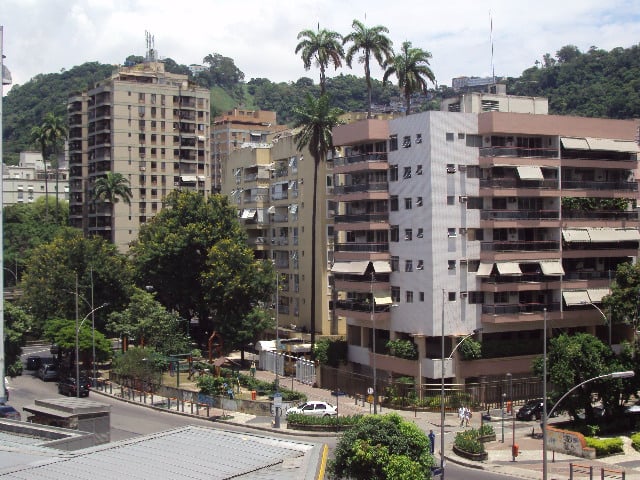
[432,439]
[467,416]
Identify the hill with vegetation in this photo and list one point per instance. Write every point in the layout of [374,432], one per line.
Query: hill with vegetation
[596,83]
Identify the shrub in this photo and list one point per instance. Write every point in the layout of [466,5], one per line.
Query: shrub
[486,429]
[635,441]
[468,441]
[605,446]
[402,349]
[470,349]
[300,419]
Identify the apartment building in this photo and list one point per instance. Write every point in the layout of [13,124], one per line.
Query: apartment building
[490,216]
[147,124]
[271,185]
[25,182]
[236,129]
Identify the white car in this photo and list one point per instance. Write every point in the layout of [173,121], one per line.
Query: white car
[320,409]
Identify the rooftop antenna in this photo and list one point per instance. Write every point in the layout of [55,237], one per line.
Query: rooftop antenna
[151,47]
[493,71]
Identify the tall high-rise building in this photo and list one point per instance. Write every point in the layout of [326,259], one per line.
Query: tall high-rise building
[490,216]
[149,125]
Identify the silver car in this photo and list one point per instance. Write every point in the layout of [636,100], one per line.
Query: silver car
[47,372]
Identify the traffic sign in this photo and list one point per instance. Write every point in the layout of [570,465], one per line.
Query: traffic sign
[277,399]
[370,390]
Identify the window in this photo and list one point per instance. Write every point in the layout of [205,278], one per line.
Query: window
[451,264]
[420,233]
[452,296]
[408,265]
[451,200]
[420,265]
[394,233]
[476,297]
[421,296]
[419,202]
[406,141]
[461,136]
[449,137]
[395,294]
[393,143]
[393,203]
[393,173]
[407,203]
[141,97]
[407,173]
[409,296]
[451,168]
[395,263]
[474,141]
[451,233]
[418,169]
[418,138]
[408,234]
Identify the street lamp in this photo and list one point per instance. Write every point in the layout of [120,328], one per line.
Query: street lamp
[78,325]
[442,390]
[475,332]
[624,374]
[373,326]
[604,317]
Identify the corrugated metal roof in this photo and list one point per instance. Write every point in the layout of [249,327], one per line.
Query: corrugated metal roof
[197,453]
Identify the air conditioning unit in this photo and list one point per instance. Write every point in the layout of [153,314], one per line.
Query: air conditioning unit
[142,169]
[451,169]
[462,198]
[463,294]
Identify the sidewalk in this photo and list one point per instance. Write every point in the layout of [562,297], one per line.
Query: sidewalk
[528,464]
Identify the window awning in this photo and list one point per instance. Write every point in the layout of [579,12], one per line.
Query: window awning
[601,235]
[381,267]
[484,270]
[576,235]
[189,178]
[271,209]
[248,213]
[293,185]
[356,268]
[597,294]
[201,178]
[575,143]
[530,173]
[382,298]
[625,234]
[612,145]
[293,208]
[551,267]
[576,297]
[261,215]
[509,268]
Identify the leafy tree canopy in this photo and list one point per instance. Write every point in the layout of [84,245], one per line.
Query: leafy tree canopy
[62,332]
[17,324]
[49,281]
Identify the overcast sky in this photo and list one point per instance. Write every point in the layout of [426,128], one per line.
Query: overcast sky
[46,36]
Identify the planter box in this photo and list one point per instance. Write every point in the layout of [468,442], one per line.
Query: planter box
[317,428]
[478,457]
[487,438]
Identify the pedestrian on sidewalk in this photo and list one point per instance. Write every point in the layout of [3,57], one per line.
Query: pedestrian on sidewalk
[432,439]
[461,415]
[467,416]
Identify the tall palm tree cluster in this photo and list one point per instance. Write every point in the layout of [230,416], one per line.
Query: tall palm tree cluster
[317,118]
[323,48]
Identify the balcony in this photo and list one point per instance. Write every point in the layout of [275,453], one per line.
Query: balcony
[362,247]
[367,157]
[519,152]
[362,218]
[584,185]
[521,246]
[550,184]
[520,308]
[356,306]
[365,187]
[519,215]
[599,215]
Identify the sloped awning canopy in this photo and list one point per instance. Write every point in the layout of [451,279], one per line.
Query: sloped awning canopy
[189,178]
[380,266]
[248,213]
[509,268]
[551,267]
[355,268]
[575,143]
[612,145]
[576,235]
[613,234]
[530,173]
[597,294]
[625,234]
[576,297]
[484,269]
[382,298]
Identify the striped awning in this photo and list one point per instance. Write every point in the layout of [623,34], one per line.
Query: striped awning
[509,268]
[576,297]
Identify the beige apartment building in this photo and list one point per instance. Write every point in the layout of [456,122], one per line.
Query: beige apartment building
[490,216]
[151,126]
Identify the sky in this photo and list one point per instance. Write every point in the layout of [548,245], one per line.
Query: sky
[47,36]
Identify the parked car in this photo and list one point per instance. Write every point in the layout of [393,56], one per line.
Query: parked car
[67,386]
[320,409]
[34,362]
[533,409]
[7,411]
[635,408]
[48,372]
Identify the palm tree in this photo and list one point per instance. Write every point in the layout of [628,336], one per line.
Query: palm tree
[411,66]
[39,137]
[323,47]
[55,131]
[315,120]
[110,189]
[372,41]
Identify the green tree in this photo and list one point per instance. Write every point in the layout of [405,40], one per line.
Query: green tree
[411,67]
[17,323]
[55,129]
[372,41]
[381,447]
[62,332]
[142,363]
[622,302]
[150,324]
[110,189]
[323,47]
[573,359]
[315,120]
[49,280]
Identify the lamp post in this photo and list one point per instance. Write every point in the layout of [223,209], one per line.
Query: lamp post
[544,393]
[78,325]
[513,418]
[604,317]
[624,374]
[442,390]
[373,326]
[276,397]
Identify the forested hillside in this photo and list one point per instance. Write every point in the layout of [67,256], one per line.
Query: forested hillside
[596,83]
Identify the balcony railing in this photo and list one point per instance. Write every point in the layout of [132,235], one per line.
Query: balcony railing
[362,217]
[360,306]
[519,215]
[518,308]
[519,152]
[367,157]
[585,275]
[362,247]
[599,215]
[582,185]
[365,187]
[524,278]
[551,184]
[520,246]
